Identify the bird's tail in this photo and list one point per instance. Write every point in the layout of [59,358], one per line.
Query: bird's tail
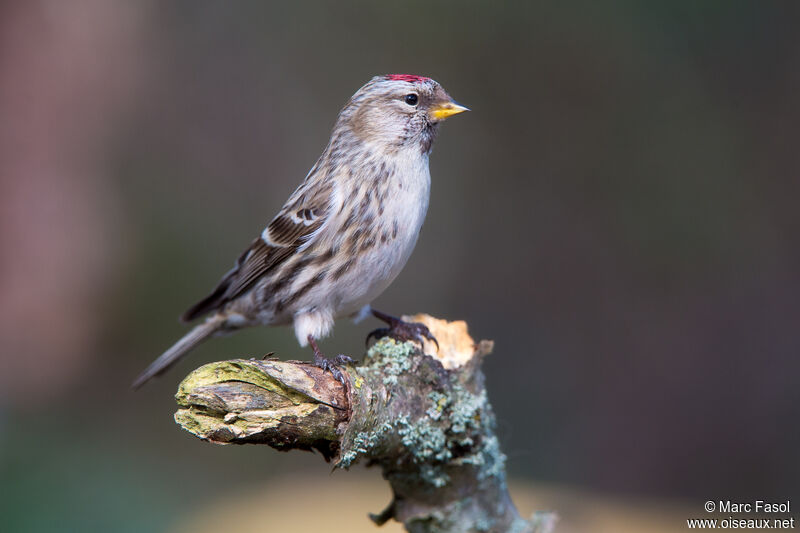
[197,335]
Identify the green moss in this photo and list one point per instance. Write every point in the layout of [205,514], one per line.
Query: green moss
[484,524]
[434,475]
[388,348]
[439,402]
[443,435]
[465,413]
[222,371]
[394,358]
[363,443]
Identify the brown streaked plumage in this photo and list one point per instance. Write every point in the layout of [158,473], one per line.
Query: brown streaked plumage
[345,233]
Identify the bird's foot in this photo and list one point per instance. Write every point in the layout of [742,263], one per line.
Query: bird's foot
[330,365]
[402,331]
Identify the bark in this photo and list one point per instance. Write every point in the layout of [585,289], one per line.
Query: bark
[424,419]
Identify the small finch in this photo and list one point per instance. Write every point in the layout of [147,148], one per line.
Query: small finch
[344,234]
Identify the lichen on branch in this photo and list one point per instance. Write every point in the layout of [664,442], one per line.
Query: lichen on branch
[424,419]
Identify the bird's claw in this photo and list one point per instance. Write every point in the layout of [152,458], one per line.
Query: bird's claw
[332,365]
[404,331]
[343,359]
[377,334]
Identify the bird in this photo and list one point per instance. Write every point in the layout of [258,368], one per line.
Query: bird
[343,235]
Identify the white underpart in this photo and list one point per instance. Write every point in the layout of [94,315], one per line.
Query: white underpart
[317,323]
[409,210]
[374,270]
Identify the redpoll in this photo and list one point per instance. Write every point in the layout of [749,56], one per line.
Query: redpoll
[344,234]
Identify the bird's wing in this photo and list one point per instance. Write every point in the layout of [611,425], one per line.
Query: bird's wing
[297,223]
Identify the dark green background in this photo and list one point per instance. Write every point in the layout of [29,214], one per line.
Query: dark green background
[618,212]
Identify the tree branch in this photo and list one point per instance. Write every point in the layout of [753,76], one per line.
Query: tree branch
[425,419]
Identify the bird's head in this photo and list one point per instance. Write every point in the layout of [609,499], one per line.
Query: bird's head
[397,112]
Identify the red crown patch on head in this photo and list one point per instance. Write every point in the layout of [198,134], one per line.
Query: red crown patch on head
[406,77]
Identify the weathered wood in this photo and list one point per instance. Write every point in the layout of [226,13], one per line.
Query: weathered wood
[424,419]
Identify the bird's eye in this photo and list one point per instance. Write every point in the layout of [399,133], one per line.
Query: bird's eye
[411,99]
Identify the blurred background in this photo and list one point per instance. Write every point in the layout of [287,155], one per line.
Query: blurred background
[618,212]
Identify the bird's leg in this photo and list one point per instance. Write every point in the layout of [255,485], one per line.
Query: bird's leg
[331,365]
[400,330]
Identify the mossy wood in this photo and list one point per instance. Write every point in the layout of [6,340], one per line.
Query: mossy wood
[425,419]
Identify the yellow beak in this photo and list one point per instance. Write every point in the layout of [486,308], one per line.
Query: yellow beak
[447,109]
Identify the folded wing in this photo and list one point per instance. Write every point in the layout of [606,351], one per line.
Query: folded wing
[303,215]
